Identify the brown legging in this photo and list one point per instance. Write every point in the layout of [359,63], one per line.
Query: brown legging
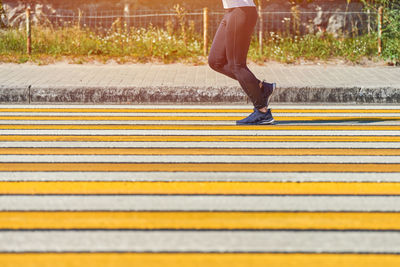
[229,50]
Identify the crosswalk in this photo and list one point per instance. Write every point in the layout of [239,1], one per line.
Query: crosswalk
[149,185]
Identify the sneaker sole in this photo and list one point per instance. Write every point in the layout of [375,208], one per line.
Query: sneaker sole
[264,122]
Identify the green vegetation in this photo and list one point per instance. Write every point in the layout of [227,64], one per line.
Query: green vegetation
[137,45]
[391,27]
[316,47]
[167,46]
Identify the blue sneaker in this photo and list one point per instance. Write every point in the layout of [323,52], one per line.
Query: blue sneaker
[269,119]
[257,118]
[267,90]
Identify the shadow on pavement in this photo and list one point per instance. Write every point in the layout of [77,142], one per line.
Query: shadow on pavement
[364,120]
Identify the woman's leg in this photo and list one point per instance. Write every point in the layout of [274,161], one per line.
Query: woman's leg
[238,32]
[217,59]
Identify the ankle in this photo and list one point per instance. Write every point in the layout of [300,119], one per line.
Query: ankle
[263,110]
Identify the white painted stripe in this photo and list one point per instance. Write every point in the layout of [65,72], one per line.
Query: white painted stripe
[132,122]
[197,159]
[204,241]
[266,131]
[200,203]
[214,145]
[207,106]
[200,176]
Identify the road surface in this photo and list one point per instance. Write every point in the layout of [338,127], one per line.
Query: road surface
[151,185]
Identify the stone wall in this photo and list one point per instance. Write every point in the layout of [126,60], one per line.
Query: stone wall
[325,16]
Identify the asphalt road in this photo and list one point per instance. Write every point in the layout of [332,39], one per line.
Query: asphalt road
[183,185]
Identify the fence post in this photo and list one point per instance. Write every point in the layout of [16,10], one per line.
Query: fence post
[205,31]
[380,22]
[79,18]
[261,28]
[127,18]
[369,21]
[28,31]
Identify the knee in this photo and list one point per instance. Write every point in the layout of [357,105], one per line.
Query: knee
[215,64]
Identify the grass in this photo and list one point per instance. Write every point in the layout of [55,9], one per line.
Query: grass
[313,47]
[169,46]
[138,45]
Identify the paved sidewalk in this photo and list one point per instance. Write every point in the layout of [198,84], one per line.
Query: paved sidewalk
[178,83]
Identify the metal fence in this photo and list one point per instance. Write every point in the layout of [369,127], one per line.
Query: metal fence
[291,23]
[103,20]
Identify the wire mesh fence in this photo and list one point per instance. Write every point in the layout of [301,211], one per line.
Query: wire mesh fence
[284,22]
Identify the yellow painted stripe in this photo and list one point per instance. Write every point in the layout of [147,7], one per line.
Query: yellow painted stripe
[197,259]
[202,151]
[191,118]
[200,220]
[186,138]
[201,167]
[197,127]
[201,188]
[191,110]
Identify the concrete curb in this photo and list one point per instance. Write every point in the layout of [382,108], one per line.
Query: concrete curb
[120,95]
[185,94]
[14,94]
